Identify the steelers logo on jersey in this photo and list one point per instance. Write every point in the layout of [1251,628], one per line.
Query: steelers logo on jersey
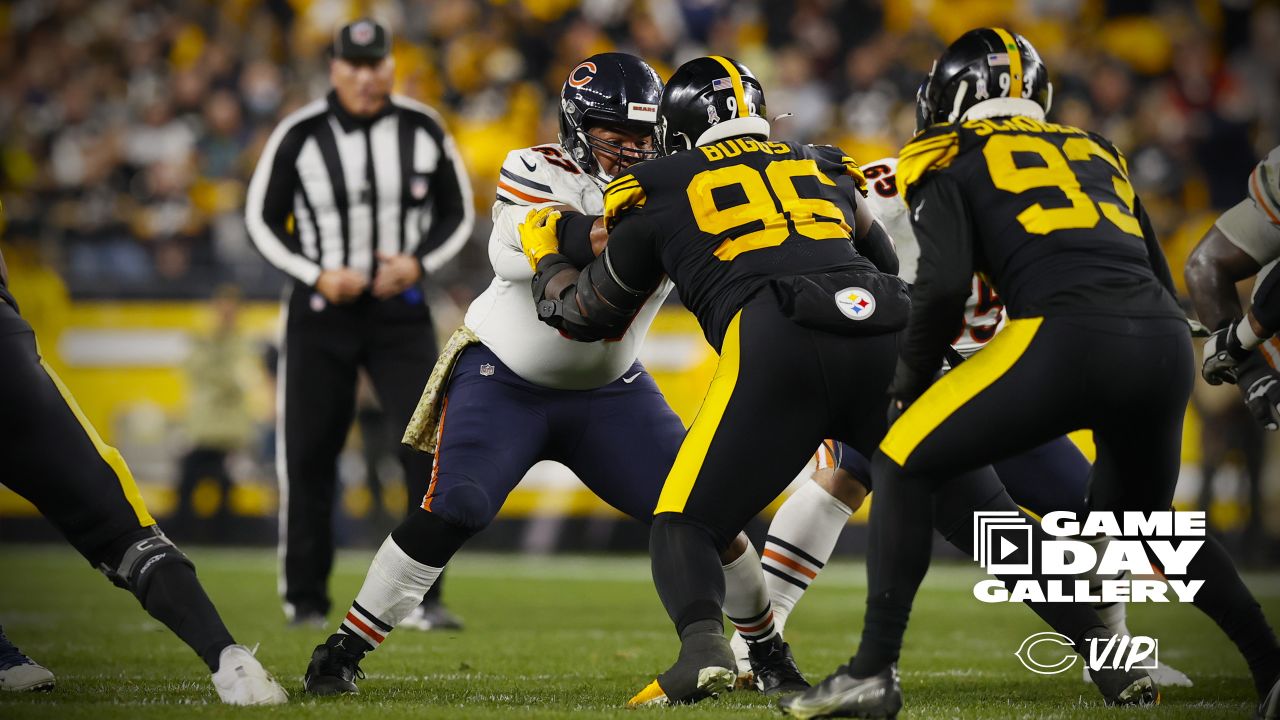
[856,303]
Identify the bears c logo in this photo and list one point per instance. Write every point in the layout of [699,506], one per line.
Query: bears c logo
[582,74]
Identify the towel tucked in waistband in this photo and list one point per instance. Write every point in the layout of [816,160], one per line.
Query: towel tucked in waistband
[421,433]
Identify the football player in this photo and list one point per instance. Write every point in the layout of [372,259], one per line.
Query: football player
[1053,476]
[774,250]
[1244,242]
[520,392]
[1063,238]
[55,459]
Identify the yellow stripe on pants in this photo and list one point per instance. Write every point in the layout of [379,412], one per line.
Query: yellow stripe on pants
[958,387]
[693,451]
[109,455]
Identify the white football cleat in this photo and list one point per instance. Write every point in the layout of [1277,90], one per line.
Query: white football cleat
[19,673]
[29,676]
[241,679]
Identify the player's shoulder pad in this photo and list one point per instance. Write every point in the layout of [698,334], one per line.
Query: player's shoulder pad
[1264,186]
[1111,149]
[929,151]
[835,155]
[535,175]
[625,194]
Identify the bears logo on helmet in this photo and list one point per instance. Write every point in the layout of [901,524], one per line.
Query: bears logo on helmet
[614,90]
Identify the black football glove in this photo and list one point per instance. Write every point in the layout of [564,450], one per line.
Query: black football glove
[1260,388]
[1223,355]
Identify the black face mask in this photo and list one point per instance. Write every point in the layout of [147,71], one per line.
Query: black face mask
[625,155]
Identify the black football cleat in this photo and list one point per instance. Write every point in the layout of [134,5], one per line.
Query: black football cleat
[333,669]
[774,667]
[704,669]
[1269,708]
[843,695]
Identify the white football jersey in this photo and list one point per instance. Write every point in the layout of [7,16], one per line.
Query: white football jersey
[983,311]
[504,315]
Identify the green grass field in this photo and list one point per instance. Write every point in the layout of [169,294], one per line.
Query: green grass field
[554,637]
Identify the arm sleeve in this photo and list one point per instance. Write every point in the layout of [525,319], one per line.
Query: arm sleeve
[451,206]
[268,207]
[632,255]
[876,246]
[1155,254]
[944,228]
[602,300]
[574,233]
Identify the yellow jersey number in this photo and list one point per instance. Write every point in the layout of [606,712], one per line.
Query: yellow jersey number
[780,175]
[1084,211]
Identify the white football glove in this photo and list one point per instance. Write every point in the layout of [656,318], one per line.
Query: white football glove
[1223,354]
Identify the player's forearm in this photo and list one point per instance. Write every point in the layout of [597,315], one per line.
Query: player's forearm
[1212,271]
[876,246]
[574,233]
[934,323]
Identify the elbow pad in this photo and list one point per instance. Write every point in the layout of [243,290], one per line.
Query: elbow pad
[596,307]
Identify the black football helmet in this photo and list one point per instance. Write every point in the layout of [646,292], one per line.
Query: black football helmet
[987,64]
[612,89]
[707,99]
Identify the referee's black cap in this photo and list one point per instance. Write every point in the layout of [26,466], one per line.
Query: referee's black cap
[365,39]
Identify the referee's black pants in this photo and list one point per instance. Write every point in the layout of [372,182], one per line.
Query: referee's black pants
[1128,380]
[323,348]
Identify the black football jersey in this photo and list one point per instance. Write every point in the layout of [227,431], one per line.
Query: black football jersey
[1055,223]
[726,218]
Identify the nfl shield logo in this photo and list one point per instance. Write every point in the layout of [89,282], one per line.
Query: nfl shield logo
[855,303]
[486,369]
[317,302]
[418,187]
[362,33]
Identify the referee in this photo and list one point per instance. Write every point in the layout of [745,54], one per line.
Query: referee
[358,196]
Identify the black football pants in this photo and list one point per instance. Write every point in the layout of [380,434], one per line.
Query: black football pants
[324,347]
[1128,380]
[54,457]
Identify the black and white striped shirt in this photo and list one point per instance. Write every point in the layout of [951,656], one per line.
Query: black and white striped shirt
[317,203]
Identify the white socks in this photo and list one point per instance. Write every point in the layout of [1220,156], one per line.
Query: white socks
[746,599]
[393,587]
[800,540]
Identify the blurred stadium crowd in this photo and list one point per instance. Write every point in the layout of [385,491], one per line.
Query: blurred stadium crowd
[129,128]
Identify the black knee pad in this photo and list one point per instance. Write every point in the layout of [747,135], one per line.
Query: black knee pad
[137,556]
[429,538]
[466,505]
